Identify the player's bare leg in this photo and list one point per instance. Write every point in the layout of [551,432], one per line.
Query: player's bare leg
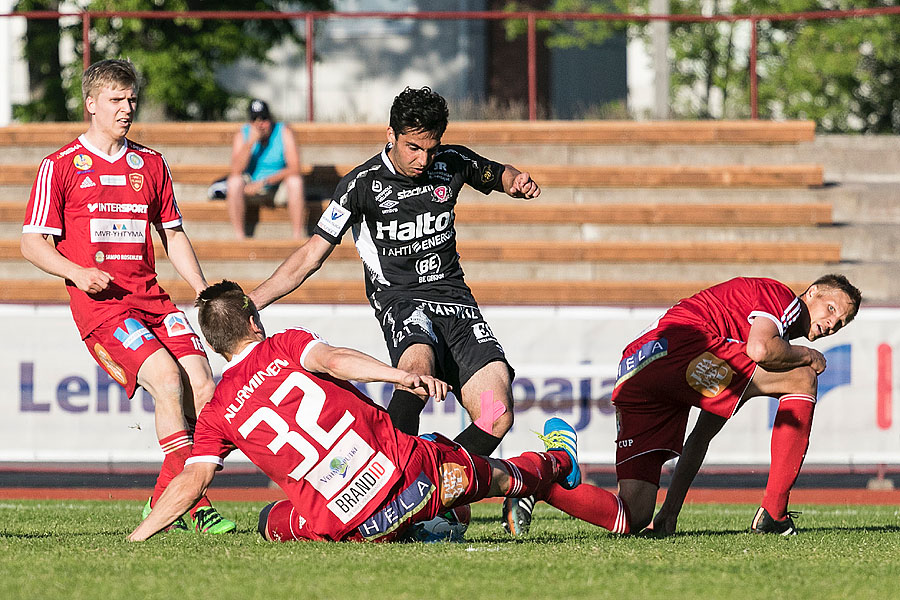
[200,383]
[296,205]
[487,397]
[640,498]
[405,407]
[236,204]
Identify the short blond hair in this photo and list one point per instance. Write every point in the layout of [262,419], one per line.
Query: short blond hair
[108,73]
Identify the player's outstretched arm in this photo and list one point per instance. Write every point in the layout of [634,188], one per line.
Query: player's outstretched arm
[40,251]
[706,428]
[180,495]
[349,364]
[768,349]
[295,269]
[518,184]
[184,259]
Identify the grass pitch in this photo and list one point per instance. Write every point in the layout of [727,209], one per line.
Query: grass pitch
[77,550]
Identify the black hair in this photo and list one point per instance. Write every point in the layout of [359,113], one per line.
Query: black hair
[419,110]
[225,312]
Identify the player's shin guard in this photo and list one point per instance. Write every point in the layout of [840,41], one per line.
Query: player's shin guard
[592,504]
[790,439]
[531,473]
[404,410]
[177,449]
[477,441]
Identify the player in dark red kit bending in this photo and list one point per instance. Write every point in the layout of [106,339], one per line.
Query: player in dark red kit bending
[88,221]
[348,473]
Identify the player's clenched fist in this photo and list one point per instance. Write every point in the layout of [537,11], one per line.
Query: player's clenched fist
[524,187]
[91,280]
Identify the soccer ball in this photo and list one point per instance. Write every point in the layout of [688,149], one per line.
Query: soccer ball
[449,526]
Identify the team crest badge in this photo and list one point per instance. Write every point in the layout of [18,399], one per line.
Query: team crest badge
[136,180]
[709,375]
[82,162]
[454,482]
[487,174]
[99,257]
[441,193]
[111,366]
[134,161]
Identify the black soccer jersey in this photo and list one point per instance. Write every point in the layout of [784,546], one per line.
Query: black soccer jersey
[404,228]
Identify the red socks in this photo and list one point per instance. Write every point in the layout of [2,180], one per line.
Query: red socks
[177,448]
[532,473]
[790,439]
[592,504]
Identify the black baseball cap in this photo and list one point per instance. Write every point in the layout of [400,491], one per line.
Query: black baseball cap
[259,110]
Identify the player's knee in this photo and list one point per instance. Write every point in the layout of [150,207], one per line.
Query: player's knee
[203,391]
[503,424]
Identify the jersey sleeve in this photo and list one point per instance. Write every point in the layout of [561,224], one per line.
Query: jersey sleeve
[298,342]
[169,215]
[778,303]
[210,443]
[44,213]
[484,175]
[344,209]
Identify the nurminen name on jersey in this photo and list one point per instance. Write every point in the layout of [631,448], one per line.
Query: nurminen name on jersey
[251,386]
[115,207]
[425,224]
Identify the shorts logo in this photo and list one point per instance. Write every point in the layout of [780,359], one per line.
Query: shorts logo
[630,365]
[112,367]
[348,457]
[136,180]
[134,161]
[709,375]
[454,482]
[82,162]
[363,489]
[482,332]
[397,511]
[177,324]
[441,193]
[134,334]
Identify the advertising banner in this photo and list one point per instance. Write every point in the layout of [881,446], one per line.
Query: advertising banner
[60,406]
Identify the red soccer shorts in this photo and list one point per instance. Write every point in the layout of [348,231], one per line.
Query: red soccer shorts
[121,345]
[661,375]
[440,475]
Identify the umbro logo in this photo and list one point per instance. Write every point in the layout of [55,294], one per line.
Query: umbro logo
[87,182]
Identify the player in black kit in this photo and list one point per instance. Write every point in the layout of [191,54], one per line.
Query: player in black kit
[399,205]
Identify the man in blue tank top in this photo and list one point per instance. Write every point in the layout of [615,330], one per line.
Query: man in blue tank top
[265,169]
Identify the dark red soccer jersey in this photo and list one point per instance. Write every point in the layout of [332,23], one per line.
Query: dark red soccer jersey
[100,209]
[728,309]
[334,453]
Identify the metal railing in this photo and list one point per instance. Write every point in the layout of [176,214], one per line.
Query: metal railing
[530,17]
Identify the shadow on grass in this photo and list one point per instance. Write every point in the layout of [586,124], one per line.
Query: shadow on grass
[801,531]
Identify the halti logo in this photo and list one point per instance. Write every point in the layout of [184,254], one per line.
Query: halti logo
[441,193]
[134,334]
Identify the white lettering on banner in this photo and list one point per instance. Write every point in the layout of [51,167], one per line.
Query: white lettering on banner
[121,231]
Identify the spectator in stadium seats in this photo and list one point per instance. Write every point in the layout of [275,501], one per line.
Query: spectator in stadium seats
[349,474]
[715,350]
[88,221]
[265,169]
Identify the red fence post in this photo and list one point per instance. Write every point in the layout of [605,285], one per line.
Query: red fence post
[310,49]
[532,68]
[754,92]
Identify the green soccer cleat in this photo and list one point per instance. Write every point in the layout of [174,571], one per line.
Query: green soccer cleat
[208,520]
[559,435]
[179,525]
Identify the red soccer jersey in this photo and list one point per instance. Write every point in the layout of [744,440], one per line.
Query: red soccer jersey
[728,309]
[334,453]
[100,209]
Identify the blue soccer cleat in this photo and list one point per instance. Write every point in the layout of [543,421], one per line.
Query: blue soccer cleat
[559,435]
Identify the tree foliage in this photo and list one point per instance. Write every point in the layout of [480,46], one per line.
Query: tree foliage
[178,58]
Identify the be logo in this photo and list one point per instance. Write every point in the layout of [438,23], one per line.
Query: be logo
[428,264]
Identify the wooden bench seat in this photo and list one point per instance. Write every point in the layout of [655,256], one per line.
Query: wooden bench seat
[534,213]
[464,132]
[500,293]
[536,251]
